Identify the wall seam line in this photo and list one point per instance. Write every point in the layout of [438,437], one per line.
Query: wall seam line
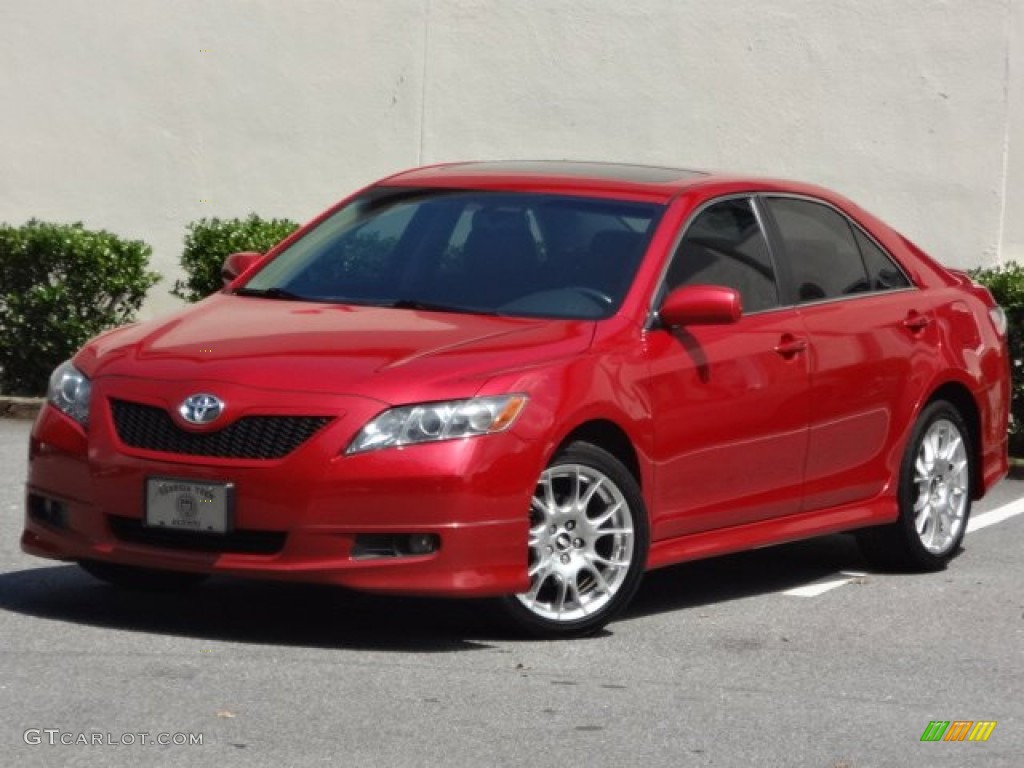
[1007,120]
[423,82]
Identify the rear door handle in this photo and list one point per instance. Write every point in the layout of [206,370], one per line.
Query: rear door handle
[916,322]
[790,346]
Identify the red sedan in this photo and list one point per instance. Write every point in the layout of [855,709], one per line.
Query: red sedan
[533,381]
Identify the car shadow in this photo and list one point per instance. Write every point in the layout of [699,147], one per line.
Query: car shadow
[309,615]
[240,610]
[745,574]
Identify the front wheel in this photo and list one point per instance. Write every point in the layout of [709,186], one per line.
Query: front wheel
[934,496]
[587,546]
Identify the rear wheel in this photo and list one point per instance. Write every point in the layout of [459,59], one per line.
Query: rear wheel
[587,545]
[141,579]
[934,496]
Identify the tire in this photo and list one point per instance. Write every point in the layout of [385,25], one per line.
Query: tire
[935,485]
[138,579]
[587,547]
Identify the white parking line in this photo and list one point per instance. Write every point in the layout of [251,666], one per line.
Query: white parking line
[997,515]
[821,587]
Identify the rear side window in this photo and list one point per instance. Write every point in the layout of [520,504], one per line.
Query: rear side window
[724,245]
[822,250]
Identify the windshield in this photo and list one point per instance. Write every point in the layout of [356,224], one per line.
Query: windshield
[502,253]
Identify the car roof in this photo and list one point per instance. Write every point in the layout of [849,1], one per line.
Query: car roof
[640,182]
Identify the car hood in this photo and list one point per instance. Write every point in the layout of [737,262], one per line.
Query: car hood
[335,349]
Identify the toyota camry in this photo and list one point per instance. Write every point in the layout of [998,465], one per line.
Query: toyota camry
[533,382]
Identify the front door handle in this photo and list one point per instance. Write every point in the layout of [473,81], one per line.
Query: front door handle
[916,322]
[790,346]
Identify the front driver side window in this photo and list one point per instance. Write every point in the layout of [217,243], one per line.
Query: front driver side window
[724,245]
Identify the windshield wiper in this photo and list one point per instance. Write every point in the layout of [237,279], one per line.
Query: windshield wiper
[270,293]
[432,306]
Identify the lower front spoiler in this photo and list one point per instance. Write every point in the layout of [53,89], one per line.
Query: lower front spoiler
[473,560]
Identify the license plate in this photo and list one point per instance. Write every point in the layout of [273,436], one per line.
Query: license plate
[187,505]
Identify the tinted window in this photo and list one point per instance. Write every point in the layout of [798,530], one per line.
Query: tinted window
[882,271]
[724,245]
[516,254]
[821,248]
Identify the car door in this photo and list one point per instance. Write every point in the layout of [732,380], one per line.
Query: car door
[870,348]
[729,401]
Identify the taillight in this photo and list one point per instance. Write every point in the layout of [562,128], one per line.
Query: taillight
[998,319]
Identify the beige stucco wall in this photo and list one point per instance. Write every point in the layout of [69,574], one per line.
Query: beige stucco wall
[142,115]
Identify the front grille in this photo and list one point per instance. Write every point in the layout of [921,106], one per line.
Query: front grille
[235,542]
[251,437]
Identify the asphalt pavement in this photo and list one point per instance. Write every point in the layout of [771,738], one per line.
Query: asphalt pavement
[796,655]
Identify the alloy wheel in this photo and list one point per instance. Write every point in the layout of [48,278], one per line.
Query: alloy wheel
[581,544]
[941,476]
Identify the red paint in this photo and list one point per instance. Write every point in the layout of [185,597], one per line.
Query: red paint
[700,305]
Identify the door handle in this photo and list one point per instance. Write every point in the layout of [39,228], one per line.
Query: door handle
[790,346]
[916,322]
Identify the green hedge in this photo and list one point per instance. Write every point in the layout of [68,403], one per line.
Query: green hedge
[1006,283]
[62,284]
[209,241]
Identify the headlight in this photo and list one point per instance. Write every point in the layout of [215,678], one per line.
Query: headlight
[69,392]
[429,422]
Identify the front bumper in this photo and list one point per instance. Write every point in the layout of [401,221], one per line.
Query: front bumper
[306,510]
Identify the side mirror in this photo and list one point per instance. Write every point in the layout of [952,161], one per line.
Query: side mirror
[236,264]
[700,305]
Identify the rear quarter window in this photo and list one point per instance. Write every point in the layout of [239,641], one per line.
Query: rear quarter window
[883,272]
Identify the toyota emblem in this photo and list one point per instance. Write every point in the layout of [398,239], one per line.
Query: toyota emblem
[201,409]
